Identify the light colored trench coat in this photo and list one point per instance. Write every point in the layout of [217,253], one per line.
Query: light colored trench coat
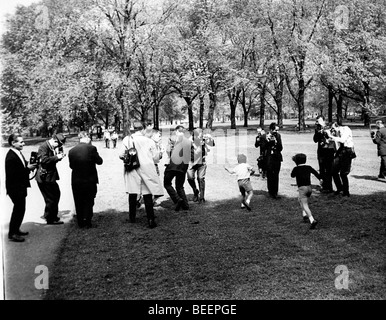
[143,180]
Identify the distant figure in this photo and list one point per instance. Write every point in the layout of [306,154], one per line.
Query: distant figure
[379,138]
[243,171]
[302,173]
[84,179]
[114,138]
[50,153]
[107,138]
[17,172]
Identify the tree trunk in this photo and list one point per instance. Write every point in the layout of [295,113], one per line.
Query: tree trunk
[339,109]
[233,96]
[212,107]
[189,102]
[302,124]
[202,106]
[330,100]
[262,107]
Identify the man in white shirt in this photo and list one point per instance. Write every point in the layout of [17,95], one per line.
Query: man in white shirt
[17,172]
[343,157]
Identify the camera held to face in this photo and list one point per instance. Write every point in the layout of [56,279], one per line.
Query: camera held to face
[34,158]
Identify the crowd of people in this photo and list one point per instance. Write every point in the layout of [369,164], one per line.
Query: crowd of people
[186,160]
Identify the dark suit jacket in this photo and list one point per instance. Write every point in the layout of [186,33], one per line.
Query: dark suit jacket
[179,151]
[16,175]
[83,159]
[274,149]
[380,140]
[48,161]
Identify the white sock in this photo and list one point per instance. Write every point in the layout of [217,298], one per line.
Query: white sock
[304,214]
[312,219]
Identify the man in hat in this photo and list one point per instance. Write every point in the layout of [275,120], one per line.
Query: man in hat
[50,152]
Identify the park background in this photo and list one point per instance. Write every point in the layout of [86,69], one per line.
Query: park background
[238,64]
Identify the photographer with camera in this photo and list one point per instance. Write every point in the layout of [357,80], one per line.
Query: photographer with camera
[50,153]
[83,159]
[17,171]
[274,159]
[342,158]
[141,178]
[261,142]
[197,164]
[325,153]
[379,138]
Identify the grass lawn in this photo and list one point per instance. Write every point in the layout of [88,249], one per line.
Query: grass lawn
[217,250]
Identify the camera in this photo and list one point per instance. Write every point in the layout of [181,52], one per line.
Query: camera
[34,158]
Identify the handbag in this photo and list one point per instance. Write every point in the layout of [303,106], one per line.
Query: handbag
[130,159]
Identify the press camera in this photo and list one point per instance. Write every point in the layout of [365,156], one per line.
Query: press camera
[34,158]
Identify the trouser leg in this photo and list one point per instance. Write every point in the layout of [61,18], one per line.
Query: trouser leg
[18,212]
[168,177]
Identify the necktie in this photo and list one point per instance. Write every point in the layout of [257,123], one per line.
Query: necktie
[24,161]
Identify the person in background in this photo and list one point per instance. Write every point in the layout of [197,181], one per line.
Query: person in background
[114,138]
[379,138]
[144,179]
[17,171]
[274,159]
[302,173]
[197,164]
[107,138]
[50,153]
[83,159]
[325,153]
[343,157]
[243,171]
[261,142]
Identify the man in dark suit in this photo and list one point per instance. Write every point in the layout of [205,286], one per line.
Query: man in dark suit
[17,172]
[84,178]
[50,152]
[274,159]
[179,152]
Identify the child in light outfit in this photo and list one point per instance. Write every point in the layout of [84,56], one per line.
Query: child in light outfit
[302,173]
[243,171]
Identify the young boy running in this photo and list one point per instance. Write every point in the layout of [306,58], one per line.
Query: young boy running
[243,172]
[302,173]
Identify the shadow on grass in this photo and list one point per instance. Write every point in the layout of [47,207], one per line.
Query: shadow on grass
[365,177]
[217,250]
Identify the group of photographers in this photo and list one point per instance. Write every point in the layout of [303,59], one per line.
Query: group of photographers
[335,153]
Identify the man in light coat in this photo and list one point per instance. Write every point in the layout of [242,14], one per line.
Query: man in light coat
[143,180]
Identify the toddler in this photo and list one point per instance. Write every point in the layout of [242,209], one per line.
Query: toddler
[243,172]
[302,173]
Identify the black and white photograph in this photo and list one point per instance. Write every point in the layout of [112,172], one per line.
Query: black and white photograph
[193,157]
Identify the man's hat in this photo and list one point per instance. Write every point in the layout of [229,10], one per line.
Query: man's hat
[60,138]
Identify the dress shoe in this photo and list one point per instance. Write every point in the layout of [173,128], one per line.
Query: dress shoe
[22,233]
[195,197]
[55,222]
[337,192]
[202,200]
[16,238]
[152,224]
[345,194]
[179,204]
[306,219]
[313,224]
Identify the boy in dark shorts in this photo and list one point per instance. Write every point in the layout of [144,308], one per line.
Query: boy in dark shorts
[302,173]
[243,172]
